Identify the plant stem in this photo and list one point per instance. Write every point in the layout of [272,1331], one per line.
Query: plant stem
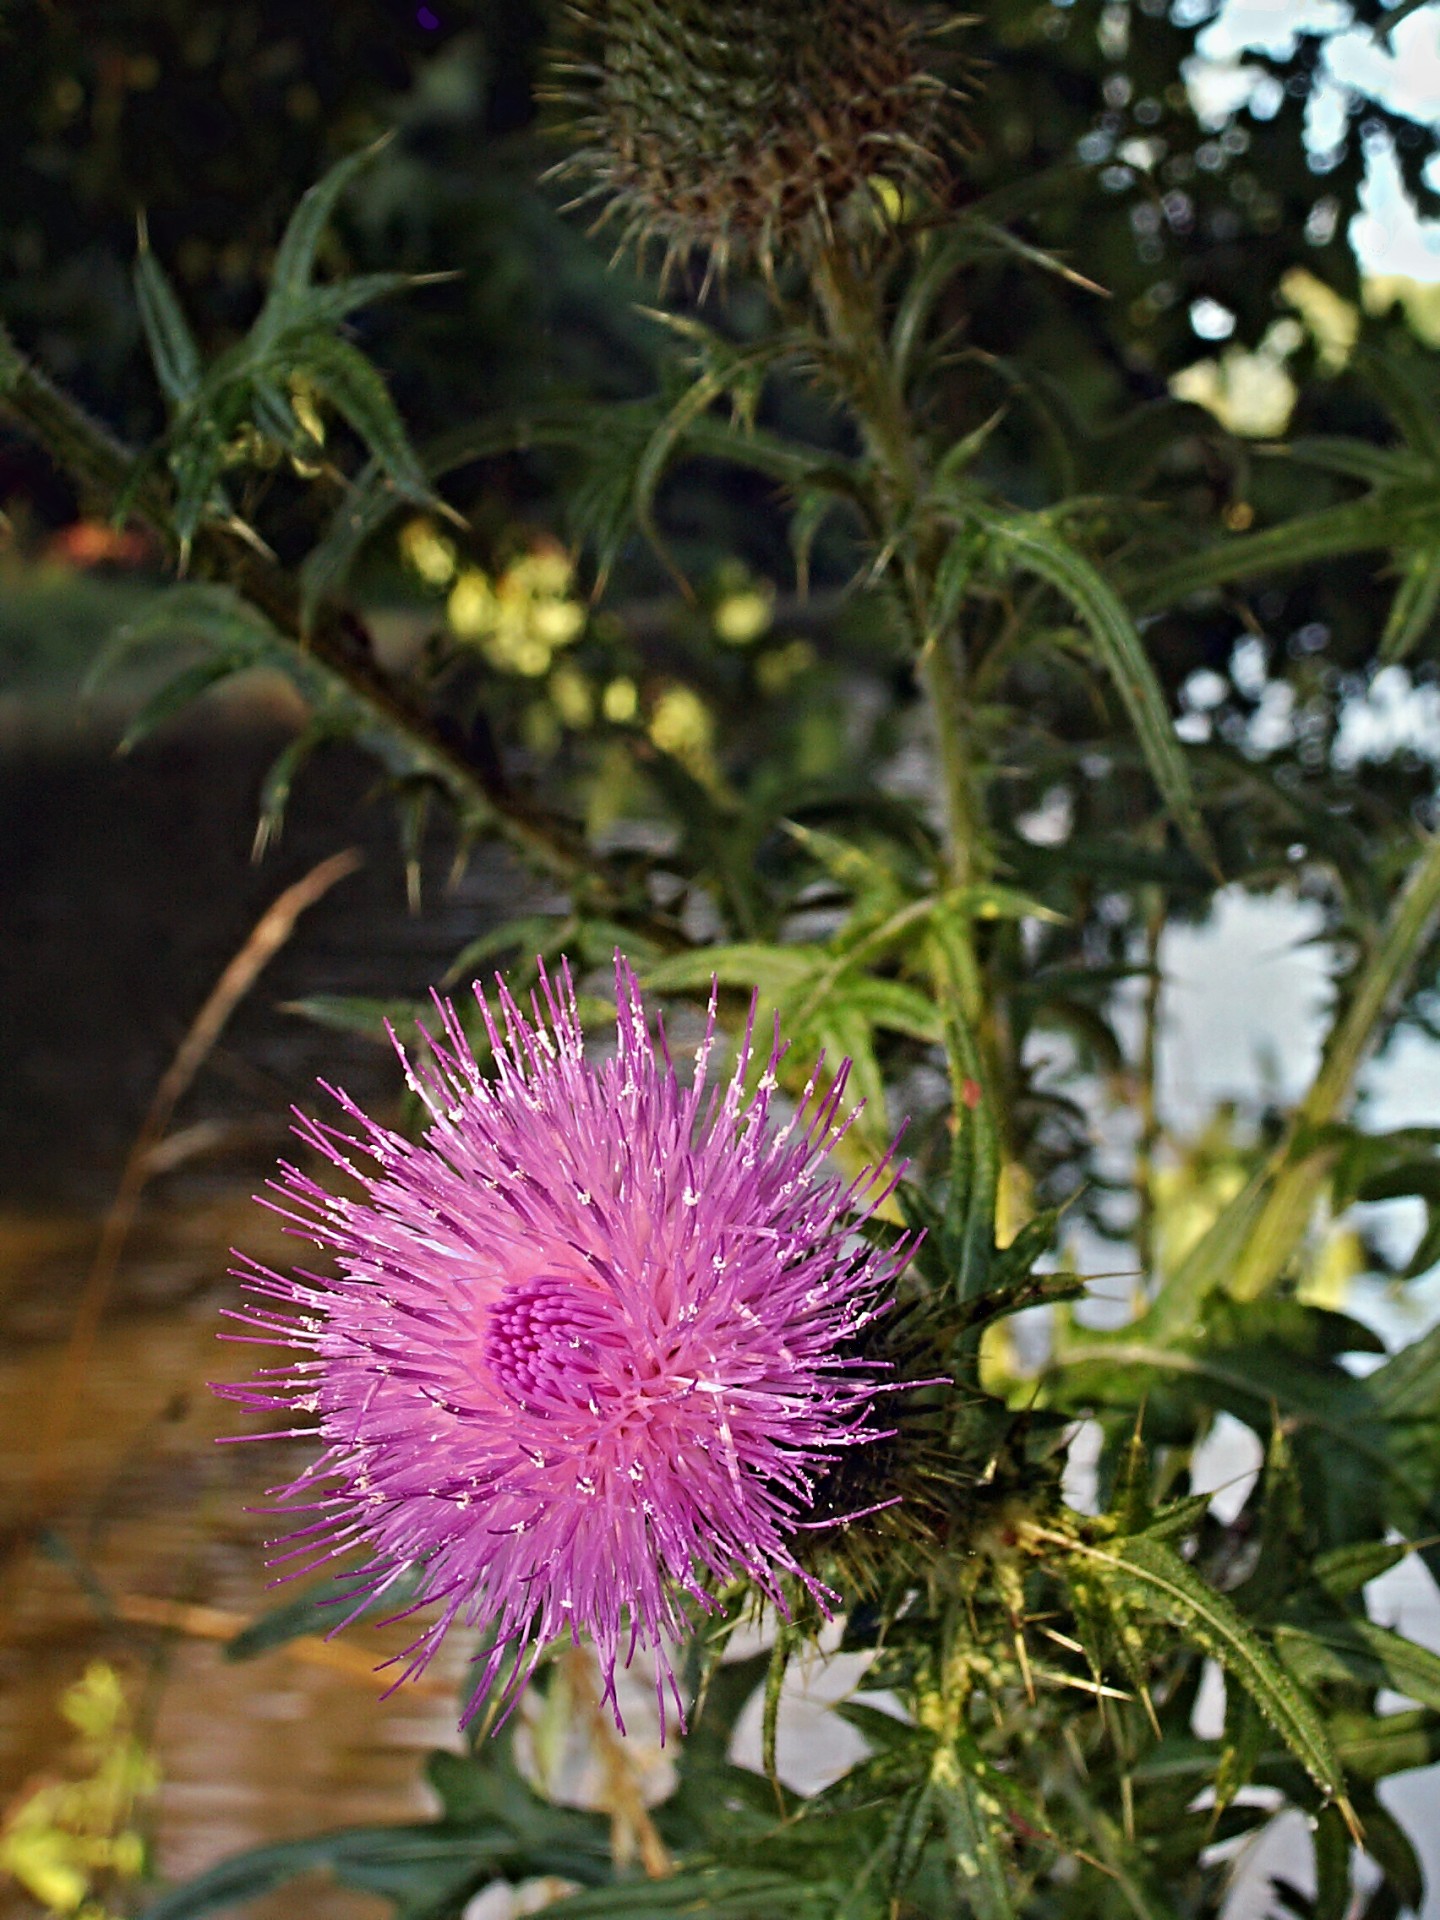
[1150,1128]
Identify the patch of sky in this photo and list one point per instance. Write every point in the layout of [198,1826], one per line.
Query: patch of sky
[1401,70]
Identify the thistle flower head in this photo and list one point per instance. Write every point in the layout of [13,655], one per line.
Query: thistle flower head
[745,129]
[592,1340]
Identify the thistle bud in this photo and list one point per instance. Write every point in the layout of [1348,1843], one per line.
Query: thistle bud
[754,130]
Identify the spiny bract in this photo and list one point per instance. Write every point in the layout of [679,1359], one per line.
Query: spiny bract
[592,1340]
[745,129]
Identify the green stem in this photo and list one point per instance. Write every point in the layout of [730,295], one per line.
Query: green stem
[942,678]
[1150,1128]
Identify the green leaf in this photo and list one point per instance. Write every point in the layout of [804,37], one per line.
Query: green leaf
[178,693]
[355,389]
[421,1868]
[1355,1649]
[1248,1246]
[173,352]
[770,970]
[356,1013]
[1373,1747]
[1378,520]
[295,256]
[973,1822]
[1332,1866]
[910,1825]
[961,561]
[987,900]
[328,306]
[1412,612]
[1357,459]
[1390,1847]
[892,1006]
[723,370]
[320,1610]
[531,936]
[735,1892]
[959,458]
[279,779]
[1345,1570]
[1152,1575]
[1034,547]
[188,615]
[197,462]
[1409,401]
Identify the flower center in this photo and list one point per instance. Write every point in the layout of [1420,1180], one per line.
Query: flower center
[558,1346]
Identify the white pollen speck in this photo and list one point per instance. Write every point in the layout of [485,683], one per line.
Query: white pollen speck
[691,1197]
[583,1197]
[768,1082]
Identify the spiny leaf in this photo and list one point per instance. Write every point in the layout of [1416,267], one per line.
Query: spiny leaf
[355,389]
[280,778]
[328,306]
[1356,459]
[1378,520]
[909,1829]
[209,616]
[177,693]
[1412,612]
[1408,400]
[1152,1575]
[1355,1649]
[1372,1747]
[357,1013]
[1345,1570]
[736,1893]
[726,373]
[1036,548]
[173,352]
[972,1821]
[1392,1850]
[295,255]
[771,970]
[958,567]
[320,1610]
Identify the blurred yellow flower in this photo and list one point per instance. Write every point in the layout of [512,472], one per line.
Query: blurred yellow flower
[681,725]
[427,552]
[524,616]
[573,697]
[620,702]
[742,616]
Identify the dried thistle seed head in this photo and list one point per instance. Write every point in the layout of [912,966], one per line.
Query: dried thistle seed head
[752,129]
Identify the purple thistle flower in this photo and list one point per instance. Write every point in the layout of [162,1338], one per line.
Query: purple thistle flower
[592,1337]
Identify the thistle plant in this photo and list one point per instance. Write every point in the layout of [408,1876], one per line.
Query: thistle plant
[748,135]
[615,1350]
